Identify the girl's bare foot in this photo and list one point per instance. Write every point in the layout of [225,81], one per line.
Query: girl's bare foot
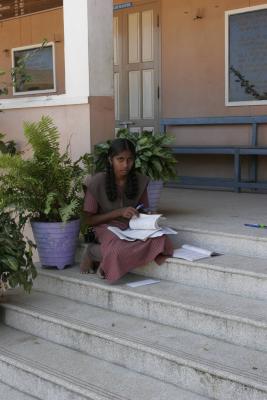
[100,273]
[87,265]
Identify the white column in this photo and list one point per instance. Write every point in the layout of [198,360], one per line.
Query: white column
[100,34]
[76,47]
[88,32]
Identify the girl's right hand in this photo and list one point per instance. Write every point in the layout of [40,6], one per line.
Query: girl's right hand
[129,212]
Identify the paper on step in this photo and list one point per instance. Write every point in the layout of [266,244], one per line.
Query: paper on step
[192,253]
[142,283]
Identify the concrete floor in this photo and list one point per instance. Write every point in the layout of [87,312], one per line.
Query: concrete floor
[215,211]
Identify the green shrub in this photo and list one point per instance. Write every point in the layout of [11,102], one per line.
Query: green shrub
[16,265]
[48,185]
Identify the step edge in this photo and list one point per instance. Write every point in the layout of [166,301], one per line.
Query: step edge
[138,343]
[217,268]
[187,307]
[62,379]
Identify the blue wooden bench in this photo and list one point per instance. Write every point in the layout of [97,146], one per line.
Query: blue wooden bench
[252,149]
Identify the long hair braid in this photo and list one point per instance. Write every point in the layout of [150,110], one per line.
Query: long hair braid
[131,189]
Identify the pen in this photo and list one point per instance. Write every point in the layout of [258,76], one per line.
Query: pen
[256,225]
[139,206]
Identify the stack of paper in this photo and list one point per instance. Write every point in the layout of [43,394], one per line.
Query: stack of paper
[142,227]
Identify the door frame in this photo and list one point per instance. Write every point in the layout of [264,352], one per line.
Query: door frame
[158,84]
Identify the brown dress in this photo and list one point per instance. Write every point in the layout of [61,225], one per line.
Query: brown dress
[120,256]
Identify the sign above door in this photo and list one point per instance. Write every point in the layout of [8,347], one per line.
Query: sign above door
[121,6]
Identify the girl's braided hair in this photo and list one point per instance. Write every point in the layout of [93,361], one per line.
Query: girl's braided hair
[131,189]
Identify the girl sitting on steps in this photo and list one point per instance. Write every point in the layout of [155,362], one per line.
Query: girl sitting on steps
[111,199]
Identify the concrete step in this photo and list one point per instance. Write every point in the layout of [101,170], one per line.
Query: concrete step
[247,243]
[53,372]
[216,220]
[8,393]
[204,365]
[238,320]
[245,276]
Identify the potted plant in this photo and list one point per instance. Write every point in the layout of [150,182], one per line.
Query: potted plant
[16,265]
[153,158]
[47,187]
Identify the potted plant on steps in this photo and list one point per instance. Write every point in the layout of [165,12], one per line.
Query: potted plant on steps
[47,186]
[16,265]
[153,158]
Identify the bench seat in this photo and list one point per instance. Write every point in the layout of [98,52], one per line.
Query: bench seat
[237,151]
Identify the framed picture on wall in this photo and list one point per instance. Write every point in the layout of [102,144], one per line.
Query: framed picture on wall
[38,65]
[246,56]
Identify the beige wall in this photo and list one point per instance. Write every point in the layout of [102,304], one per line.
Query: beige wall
[80,125]
[193,82]
[33,29]
[192,51]
[73,123]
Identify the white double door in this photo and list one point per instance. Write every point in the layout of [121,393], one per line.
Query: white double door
[136,67]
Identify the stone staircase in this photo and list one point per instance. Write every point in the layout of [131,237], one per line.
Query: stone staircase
[201,333]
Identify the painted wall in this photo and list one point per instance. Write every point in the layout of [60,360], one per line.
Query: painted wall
[80,125]
[193,81]
[193,59]
[33,29]
[72,123]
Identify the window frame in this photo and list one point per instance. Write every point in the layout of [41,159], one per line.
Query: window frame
[36,46]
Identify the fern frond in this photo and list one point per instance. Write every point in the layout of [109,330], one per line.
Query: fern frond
[43,136]
[50,199]
[68,211]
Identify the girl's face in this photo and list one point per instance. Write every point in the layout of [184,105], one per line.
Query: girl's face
[122,163]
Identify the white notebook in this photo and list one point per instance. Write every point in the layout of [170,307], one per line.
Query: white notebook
[143,227]
[192,253]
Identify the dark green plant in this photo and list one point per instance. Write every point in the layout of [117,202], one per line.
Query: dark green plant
[7,147]
[153,154]
[16,265]
[48,185]
[3,87]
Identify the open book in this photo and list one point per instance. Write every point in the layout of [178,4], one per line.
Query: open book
[143,227]
[193,253]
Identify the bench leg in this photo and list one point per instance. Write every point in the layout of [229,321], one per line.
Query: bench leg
[237,177]
[254,169]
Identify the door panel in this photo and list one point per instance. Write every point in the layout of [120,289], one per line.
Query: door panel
[136,67]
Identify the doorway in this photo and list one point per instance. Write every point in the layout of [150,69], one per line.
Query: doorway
[136,66]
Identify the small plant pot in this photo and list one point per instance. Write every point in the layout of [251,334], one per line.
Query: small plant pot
[154,190]
[56,242]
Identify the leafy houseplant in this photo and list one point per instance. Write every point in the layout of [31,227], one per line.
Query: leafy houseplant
[48,187]
[16,266]
[153,158]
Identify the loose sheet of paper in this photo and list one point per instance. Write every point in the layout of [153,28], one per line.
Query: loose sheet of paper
[141,234]
[142,283]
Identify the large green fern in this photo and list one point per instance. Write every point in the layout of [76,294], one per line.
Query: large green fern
[48,186]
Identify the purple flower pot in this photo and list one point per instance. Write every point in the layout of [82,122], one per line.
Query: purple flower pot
[56,242]
[154,190]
